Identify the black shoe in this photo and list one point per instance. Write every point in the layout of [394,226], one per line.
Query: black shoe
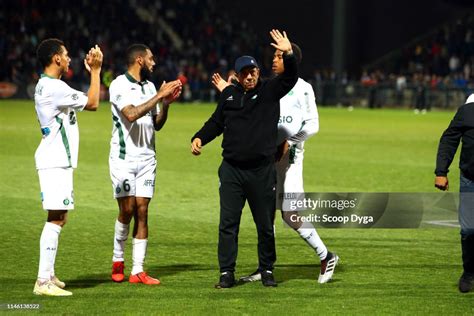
[226,280]
[466,282]
[267,278]
[255,276]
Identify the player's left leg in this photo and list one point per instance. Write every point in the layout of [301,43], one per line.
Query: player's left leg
[293,183]
[145,184]
[57,192]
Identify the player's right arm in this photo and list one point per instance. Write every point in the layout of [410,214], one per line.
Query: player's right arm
[93,64]
[133,113]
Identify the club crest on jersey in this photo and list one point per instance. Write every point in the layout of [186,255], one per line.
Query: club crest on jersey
[74,96]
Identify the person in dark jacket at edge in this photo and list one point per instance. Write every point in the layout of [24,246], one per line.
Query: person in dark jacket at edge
[461,128]
[247,114]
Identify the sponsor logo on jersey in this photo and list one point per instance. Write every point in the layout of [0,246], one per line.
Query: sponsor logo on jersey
[285,119]
[149,183]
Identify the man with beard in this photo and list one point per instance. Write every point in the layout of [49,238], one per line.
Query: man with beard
[136,116]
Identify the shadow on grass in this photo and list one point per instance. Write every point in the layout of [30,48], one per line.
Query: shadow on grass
[173,269]
[88,281]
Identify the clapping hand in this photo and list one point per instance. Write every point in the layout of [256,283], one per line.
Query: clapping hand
[93,60]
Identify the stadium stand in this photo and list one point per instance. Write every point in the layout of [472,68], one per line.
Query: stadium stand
[192,39]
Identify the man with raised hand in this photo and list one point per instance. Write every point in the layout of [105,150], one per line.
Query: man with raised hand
[247,115]
[136,115]
[56,157]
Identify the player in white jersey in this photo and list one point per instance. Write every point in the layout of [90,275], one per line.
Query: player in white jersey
[56,156]
[136,115]
[298,121]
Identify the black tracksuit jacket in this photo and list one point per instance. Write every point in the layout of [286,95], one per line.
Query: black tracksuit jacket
[249,119]
[460,128]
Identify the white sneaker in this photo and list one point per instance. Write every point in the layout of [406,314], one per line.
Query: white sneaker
[328,266]
[58,282]
[255,276]
[50,289]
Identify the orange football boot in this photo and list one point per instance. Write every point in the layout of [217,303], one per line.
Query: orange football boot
[117,271]
[144,278]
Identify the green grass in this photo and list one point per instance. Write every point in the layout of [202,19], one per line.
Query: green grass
[383,271]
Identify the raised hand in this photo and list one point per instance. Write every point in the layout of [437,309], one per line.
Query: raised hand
[219,82]
[282,42]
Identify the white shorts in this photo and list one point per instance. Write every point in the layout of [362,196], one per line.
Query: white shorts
[56,188]
[133,178]
[289,178]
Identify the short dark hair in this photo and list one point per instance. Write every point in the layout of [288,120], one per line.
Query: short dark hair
[297,52]
[135,50]
[47,49]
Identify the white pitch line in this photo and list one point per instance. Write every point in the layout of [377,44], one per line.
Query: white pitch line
[447,223]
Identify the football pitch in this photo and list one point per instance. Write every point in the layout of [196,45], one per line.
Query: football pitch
[382,271]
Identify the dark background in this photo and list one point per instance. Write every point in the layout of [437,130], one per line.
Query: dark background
[372,28]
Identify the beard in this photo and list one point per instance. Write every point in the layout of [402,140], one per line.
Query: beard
[145,73]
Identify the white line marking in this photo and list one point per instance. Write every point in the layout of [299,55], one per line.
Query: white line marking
[448,223]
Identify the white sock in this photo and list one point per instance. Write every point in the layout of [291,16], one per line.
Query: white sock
[121,235]
[48,249]
[138,254]
[314,241]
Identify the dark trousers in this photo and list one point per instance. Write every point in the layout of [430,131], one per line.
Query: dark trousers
[257,186]
[466,220]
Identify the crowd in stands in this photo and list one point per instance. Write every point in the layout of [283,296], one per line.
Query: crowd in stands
[189,38]
[193,38]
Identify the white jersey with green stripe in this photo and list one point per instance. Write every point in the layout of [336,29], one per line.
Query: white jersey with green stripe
[132,141]
[298,118]
[55,104]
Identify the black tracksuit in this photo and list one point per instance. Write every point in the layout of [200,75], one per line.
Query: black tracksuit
[249,122]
